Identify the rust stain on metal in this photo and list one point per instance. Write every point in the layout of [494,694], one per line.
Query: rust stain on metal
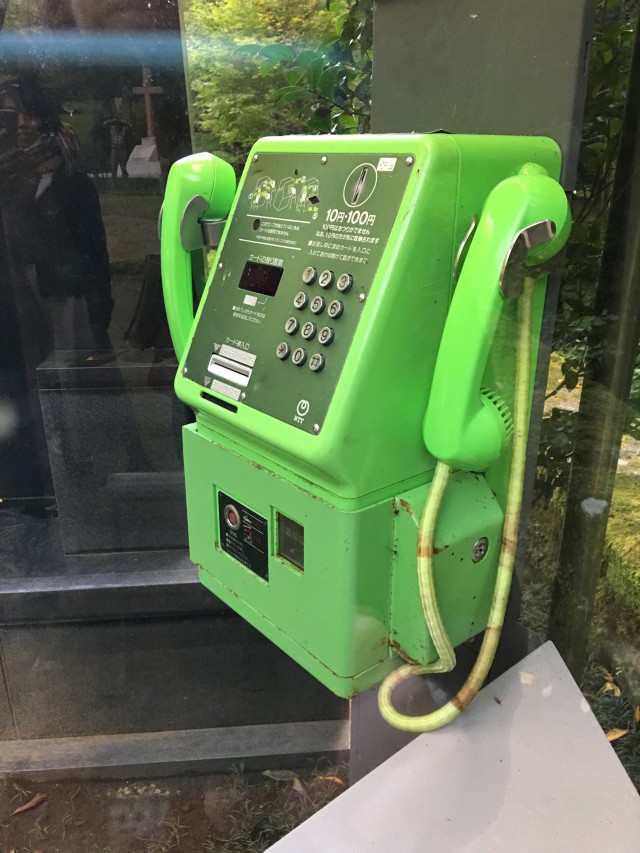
[406,506]
[395,645]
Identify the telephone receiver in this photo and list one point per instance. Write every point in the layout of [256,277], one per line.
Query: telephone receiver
[465,425]
[200,187]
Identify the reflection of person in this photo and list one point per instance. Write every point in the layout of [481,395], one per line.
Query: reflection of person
[52,221]
[119,130]
[111,14]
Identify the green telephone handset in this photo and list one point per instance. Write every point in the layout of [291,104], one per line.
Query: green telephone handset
[200,186]
[328,327]
[463,426]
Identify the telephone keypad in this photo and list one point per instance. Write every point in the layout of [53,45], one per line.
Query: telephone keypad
[299,356]
[300,300]
[308,331]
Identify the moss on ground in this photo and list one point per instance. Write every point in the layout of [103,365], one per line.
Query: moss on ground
[623,543]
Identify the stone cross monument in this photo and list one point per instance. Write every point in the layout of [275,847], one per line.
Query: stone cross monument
[144,161]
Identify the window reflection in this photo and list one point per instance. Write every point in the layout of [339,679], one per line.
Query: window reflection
[93,112]
[111,15]
[53,225]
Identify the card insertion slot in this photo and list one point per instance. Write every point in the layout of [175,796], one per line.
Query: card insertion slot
[230,370]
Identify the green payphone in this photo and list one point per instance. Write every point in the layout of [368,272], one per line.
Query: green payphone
[357,331]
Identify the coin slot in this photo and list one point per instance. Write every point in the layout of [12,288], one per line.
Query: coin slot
[357,190]
[222,403]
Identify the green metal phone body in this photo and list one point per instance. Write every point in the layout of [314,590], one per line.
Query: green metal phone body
[310,366]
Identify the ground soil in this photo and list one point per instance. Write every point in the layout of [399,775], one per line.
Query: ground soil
[226,813]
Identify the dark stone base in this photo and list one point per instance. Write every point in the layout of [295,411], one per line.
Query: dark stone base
[113,427]
[153,675]
[156,754]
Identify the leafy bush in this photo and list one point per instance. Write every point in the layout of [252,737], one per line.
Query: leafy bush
[233,83]
[610,60]
[331,84]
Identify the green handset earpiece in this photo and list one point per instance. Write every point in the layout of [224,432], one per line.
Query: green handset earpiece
[199,187]
[463,425]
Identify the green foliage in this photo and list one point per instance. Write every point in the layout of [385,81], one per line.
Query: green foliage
[608,78]
[557,435]
[24,13]
[633,422]
[233,84]
[329,85]
[610,60]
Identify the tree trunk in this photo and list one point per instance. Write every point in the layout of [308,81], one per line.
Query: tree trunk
[603,404]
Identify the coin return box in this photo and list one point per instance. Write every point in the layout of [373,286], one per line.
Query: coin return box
[291,541]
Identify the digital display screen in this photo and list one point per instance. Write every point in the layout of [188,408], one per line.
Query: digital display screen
[260,278]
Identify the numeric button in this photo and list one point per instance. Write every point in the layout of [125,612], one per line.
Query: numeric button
[344,282]
[299,356]
[282,350]
[335,309]
[300,300]
[317,305]
[309,275]
[326,335]
[308,331]
[291,326]
[316,362]
[326,278]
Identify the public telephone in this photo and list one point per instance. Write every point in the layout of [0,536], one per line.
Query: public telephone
[358,327]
